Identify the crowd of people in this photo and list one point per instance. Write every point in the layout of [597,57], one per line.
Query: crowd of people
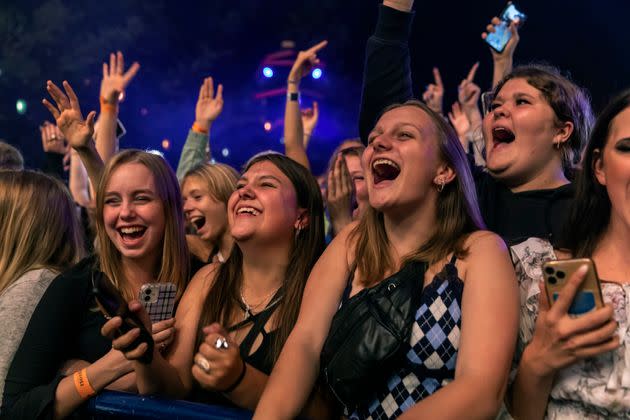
[405,282]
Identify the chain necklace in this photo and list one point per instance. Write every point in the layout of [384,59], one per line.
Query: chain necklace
[248,309]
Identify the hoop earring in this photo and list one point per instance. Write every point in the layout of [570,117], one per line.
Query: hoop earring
[441,184]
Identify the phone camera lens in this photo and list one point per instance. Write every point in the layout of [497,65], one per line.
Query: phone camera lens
[147,291]
[549,270]
[147,298]
[552,280]
[560,274]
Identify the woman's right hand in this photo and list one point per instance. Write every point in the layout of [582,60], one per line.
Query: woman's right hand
[561,340]
[508,52]
[304,62]
[124,341]
[339,195]
[67,113]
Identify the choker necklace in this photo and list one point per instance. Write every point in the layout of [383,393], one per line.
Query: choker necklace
[248,309]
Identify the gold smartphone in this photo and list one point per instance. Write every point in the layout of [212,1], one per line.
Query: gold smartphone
[587,298]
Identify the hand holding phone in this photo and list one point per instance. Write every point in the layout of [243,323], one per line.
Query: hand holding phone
[588,296]
[499,33]
[112,304]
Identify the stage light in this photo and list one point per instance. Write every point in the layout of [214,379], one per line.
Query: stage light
[267,126]
[225,152]
[166,144]
[317,73]
[213,161]
[144,112]
[20,106]
[268,72]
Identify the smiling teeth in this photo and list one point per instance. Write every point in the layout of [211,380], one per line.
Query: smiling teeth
[249,210]
[130,230]
[385,162]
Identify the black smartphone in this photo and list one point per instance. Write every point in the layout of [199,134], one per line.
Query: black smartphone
[501,35]
[111,303]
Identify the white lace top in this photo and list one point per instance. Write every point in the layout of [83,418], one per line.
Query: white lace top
[594,388]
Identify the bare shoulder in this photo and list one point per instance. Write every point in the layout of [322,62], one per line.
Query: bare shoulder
[483,241]
[487,253]
[345,243]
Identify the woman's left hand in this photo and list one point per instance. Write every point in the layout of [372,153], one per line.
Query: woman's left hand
[163,333]
[218,362]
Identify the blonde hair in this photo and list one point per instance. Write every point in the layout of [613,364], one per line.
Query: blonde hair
[456,207]
[220,179]
[40,228]
[175,264]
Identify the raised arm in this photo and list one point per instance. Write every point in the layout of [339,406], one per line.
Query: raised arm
[502,62]
[78,132]
[286,392]
[197,146]
[387,69]
[293,131]
[115,81]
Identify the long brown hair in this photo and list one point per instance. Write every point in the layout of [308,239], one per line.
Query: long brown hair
[40,227]
[175,262]
[223,300]
[457,210]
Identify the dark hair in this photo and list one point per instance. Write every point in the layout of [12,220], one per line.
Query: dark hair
[568,101]
[457,208]
[223,300]
[589,213]
[10,157]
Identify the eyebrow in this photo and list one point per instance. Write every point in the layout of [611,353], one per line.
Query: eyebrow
[141,191]
[244,178]
[396,127]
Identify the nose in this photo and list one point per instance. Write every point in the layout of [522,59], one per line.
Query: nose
[127,210]
[382,142]
[187,206]
[246,192]
[501,110]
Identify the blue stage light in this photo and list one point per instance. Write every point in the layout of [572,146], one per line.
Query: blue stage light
[225,152]
[268,72]
[317,73]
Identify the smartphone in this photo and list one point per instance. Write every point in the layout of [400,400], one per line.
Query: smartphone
[587,298]
[501,35]
[111,303]
[158,299]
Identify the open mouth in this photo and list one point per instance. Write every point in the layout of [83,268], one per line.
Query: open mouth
[248,210]
[502,135]
[198,221]
[384,170]
[132,232]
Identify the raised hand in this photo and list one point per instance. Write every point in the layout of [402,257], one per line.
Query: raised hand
[560,340]
[67,113]
[209,105]
[339,195]
[460,123]
[218,364]
[434,93]
[305,62]
[310,117]
[53,139]
[508,52]
[468,97]
[115,79]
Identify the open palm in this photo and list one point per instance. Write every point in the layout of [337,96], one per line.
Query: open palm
[67,113]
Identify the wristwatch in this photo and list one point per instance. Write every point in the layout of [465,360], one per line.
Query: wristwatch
[293,96]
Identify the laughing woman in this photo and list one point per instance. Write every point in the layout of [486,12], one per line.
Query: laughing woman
[420,231]
[235,317]
[140,240]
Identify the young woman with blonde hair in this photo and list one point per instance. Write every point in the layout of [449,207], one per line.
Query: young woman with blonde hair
[40,238]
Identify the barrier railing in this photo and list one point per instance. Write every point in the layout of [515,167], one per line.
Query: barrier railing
[121,405]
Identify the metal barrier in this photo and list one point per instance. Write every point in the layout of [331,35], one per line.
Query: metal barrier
[121,405]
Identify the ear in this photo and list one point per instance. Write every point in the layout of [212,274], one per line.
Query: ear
[565,129]
[445,174]
[303,219]
[598,166]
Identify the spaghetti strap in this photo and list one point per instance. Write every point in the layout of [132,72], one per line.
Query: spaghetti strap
[453,259]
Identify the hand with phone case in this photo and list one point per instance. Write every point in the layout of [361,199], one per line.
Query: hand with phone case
[562,339]
[502,49]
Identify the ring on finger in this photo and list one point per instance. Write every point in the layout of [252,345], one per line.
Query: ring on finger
[202,362]
[221,343]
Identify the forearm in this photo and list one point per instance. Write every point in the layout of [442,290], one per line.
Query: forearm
[287,391]
[530,391]
[387,69]
[78,181]
[194,150]
[160,377]
[501,68]
[470,398]
[92,162]
[99,374]
[293,130]
[106,141]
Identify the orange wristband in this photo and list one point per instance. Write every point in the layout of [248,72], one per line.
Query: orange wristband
[107,107]
[82,384]
[196,128]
